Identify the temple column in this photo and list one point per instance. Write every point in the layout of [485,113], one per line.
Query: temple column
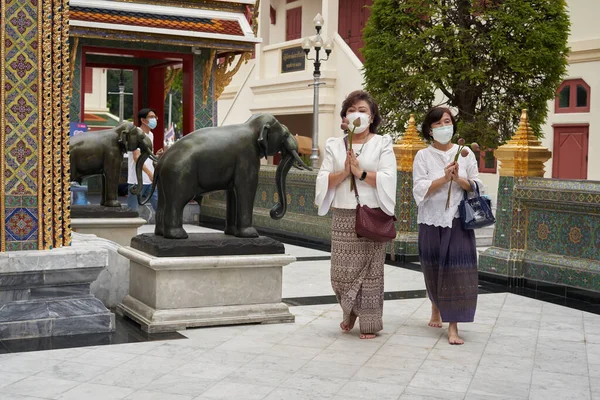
[521,157]
[205,114]
[35,82]
[405,245]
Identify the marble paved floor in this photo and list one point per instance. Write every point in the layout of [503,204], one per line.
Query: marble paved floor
[517,348]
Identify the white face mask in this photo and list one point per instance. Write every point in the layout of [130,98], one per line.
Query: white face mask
[365,121]
[443,134]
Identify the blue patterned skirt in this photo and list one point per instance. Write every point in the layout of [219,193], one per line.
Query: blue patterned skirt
[448,259]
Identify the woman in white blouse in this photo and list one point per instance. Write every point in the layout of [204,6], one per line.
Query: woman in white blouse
[447,252]
[357,262]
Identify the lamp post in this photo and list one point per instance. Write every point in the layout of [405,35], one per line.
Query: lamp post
[121,94]
[317,44]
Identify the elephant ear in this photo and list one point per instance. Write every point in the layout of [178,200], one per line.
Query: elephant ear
[122,132]
[263,143]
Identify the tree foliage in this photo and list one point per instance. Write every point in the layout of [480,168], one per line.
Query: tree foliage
[112,100]
[489,59]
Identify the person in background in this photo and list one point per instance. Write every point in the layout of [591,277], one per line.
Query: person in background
[447,252]
[147,121]
[357,262]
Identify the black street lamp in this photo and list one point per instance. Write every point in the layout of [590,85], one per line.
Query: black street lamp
[316,43]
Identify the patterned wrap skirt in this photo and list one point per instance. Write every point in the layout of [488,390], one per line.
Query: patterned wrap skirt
[449,263]
[357,272]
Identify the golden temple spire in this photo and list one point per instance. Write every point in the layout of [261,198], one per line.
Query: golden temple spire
[523,155]
[407,146]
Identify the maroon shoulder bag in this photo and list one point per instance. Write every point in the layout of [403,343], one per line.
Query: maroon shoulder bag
[372,223]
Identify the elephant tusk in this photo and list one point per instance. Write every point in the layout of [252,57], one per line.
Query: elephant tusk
[299,160]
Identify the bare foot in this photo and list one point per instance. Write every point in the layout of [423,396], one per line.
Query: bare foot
[348,328]
[368,336]
[453,337]
[436,318]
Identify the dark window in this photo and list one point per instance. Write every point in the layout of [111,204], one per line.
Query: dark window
[564,96]
[573,96]
[582,96]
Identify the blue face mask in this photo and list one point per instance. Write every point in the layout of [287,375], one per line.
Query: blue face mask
[152,123]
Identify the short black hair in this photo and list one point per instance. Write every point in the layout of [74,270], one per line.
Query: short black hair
[357,96]
[143,113]
[434,115]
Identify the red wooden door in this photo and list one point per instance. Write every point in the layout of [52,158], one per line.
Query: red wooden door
[293,23]
[570,156]
[353,16]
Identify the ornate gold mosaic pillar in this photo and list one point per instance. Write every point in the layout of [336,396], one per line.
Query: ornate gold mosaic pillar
[34,124]
[405,244]
[521,157]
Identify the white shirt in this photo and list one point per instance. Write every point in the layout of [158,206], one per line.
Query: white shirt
[131,177]
[428,166]
[376,155]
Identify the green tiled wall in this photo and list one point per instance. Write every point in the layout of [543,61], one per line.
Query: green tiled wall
[547,230]
[301,217]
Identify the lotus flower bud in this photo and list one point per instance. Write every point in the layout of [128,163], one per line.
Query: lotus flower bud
[461,142]
[464,152]
[356,122]
[474,146]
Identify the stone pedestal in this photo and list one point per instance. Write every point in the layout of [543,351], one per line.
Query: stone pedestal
[112,285]
[113,223]
[47,293]
[204,280]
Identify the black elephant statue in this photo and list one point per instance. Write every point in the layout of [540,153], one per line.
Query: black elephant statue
[101,153]
[221,158]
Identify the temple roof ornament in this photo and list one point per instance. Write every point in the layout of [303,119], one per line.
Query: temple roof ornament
[523,155]
[178,25]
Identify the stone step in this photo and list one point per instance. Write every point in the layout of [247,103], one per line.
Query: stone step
[484,236]
[487,231]
[483,241]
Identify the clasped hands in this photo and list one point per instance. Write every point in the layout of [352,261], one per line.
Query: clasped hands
[351,166]
[451,172]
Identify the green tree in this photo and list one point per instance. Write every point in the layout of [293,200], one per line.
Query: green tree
[112,100]
[489,58]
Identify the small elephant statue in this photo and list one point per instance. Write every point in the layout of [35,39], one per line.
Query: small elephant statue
[221,158]
[101,153]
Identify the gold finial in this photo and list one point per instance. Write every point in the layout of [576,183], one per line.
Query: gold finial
[407,146]
[524,135]
[411,135]
[523,155]
[524,115]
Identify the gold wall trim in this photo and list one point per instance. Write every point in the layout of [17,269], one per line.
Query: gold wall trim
[2,120]
[47,123]
[206,5]
[222,45]
[57,121]
[40,143]
[65,105]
